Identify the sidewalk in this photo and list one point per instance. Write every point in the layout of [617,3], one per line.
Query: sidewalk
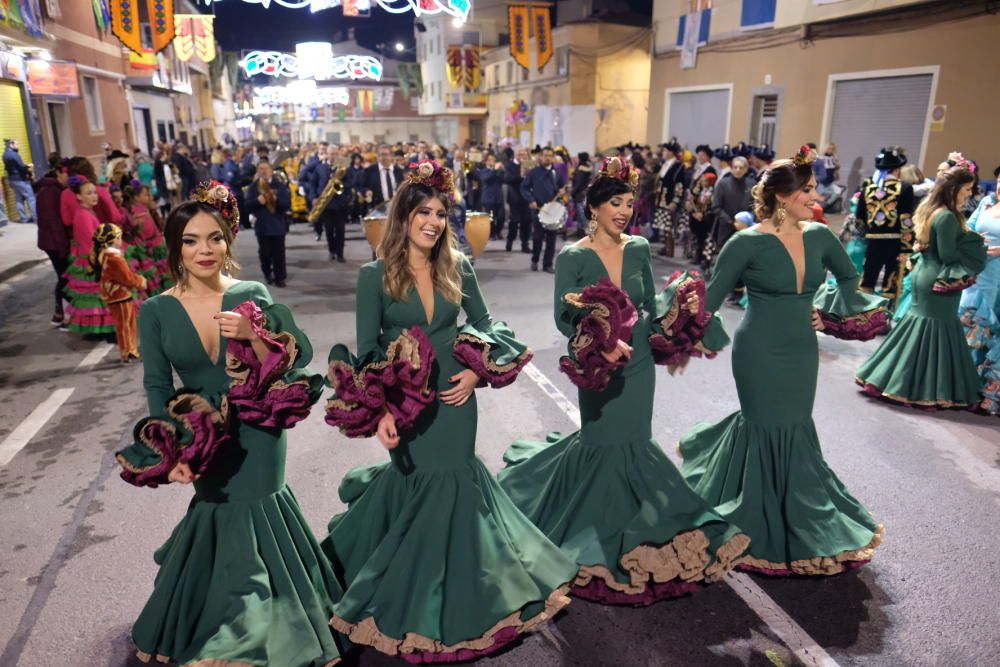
[19,249]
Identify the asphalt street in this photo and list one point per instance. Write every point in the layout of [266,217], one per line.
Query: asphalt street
[76,551]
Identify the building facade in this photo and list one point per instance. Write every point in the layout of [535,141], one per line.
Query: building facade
[591,95]
[861,74]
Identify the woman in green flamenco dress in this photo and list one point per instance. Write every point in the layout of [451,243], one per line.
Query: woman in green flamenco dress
[925,361]
[242,580]
[439,564]
[607,494]
[762,467]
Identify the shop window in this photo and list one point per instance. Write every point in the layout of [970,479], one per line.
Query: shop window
[757,14]
[92,102]
[703,29]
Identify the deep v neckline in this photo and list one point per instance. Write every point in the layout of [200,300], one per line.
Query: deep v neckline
[428,318]
[201,344]
[800,278]
[621,274]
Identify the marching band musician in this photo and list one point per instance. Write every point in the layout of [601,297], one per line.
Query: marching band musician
[331,207]
[540,186]
[520,217]
[490,177]
[268,200]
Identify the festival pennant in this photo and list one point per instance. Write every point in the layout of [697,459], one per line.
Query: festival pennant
[126,27]
[541,18]
[195,36]
[518,19]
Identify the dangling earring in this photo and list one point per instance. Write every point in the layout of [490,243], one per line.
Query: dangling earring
[228,264]
[779,218]
[592,226]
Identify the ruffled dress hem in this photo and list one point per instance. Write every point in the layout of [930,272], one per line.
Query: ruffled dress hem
[817,566]
[943,404]
[205,662]
[416,649]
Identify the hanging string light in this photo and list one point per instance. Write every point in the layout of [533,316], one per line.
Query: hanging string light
[457,8]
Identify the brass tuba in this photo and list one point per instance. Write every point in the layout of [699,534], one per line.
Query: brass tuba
[334,188]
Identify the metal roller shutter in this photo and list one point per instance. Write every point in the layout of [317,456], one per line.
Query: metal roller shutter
[871,113]
[12,126]
[698,117]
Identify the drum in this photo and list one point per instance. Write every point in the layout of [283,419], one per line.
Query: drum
[552,216]
[477,230]
[374,224]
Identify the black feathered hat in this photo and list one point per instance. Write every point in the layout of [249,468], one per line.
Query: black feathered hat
[724,153]
[743,149]
[764,153]
[672,146]
[890,158]
[704,148]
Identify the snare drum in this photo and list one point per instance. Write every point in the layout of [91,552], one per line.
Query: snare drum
[553,216]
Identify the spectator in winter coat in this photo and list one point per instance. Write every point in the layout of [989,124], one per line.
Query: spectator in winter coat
[19,177]
[53,238]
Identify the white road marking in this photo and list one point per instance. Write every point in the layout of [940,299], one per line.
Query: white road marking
[94,356]
[34,422]
[791,633]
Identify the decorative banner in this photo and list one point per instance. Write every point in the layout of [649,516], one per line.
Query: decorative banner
[518,17]
[542,19]
[125,25]
[463,66]
[457,8]
[145,60]
[195,35]
[27,13]
[384,98]
[323,65]
[366,100]
[53,77]
[410,77]
[101,14]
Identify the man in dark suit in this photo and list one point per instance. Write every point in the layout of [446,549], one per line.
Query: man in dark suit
[380,181]
[520,217]
[539,187]
[333,219]
[268,200]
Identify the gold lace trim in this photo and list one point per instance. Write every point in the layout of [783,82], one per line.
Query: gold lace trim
[239,372]
[405,347]
[367,632]
[668,320]
[826,565]
[598,310]
[178,408]
[909,401]
[484,348]
[207,662]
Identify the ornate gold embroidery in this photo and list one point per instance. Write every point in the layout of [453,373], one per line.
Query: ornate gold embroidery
[487,359]
[910,401]
[405,348]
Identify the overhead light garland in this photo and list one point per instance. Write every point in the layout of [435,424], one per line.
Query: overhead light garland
[299,93]
[457,8]
[278,64]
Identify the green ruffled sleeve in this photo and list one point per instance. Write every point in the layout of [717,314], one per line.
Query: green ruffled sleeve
[488,348]
[846,312]
[962,253]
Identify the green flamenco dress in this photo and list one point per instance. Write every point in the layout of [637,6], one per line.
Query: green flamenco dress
[925,360]
[242,580]
[607,494]
[762,467]
[439,564]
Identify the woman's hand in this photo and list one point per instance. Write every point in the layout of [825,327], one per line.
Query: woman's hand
[235,326]
[465,384]
[387,433]
[993,251]
[622,349]
[817,321]
[693,304]
[181,473]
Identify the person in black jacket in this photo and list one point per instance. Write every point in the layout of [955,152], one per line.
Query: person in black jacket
[491,177]
[333,219]
[581,180]
[19,176]
[353,180]
[542,185]
[380,181]
[268,200]
[520,217]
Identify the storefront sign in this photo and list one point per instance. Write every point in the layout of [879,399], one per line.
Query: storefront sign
[51,77]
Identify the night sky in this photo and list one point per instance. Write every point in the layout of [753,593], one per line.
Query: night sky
[243,26]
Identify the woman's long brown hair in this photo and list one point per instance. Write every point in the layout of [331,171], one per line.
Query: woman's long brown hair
[944,196]
[397,279]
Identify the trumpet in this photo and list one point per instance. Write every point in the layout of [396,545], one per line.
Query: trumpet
[334,188]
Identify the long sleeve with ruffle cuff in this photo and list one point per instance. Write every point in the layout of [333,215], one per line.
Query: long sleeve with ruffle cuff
[191,433]
[849,314]
[676,333]
[495,355]
[398,382]
[958,275]
[606,316]
[279,391]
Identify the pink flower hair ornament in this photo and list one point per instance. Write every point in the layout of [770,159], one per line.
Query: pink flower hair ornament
[221,198]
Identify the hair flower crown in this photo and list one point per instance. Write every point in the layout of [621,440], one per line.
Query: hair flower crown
[806,155]
[618,169]
[221,198]
[956,159]
[432,174]
[77,180]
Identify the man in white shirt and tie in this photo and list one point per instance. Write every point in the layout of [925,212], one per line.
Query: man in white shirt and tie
[381,180]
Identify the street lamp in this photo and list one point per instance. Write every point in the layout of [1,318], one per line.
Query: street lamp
[400,47]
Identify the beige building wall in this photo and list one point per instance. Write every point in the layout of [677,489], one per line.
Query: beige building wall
[804,71]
